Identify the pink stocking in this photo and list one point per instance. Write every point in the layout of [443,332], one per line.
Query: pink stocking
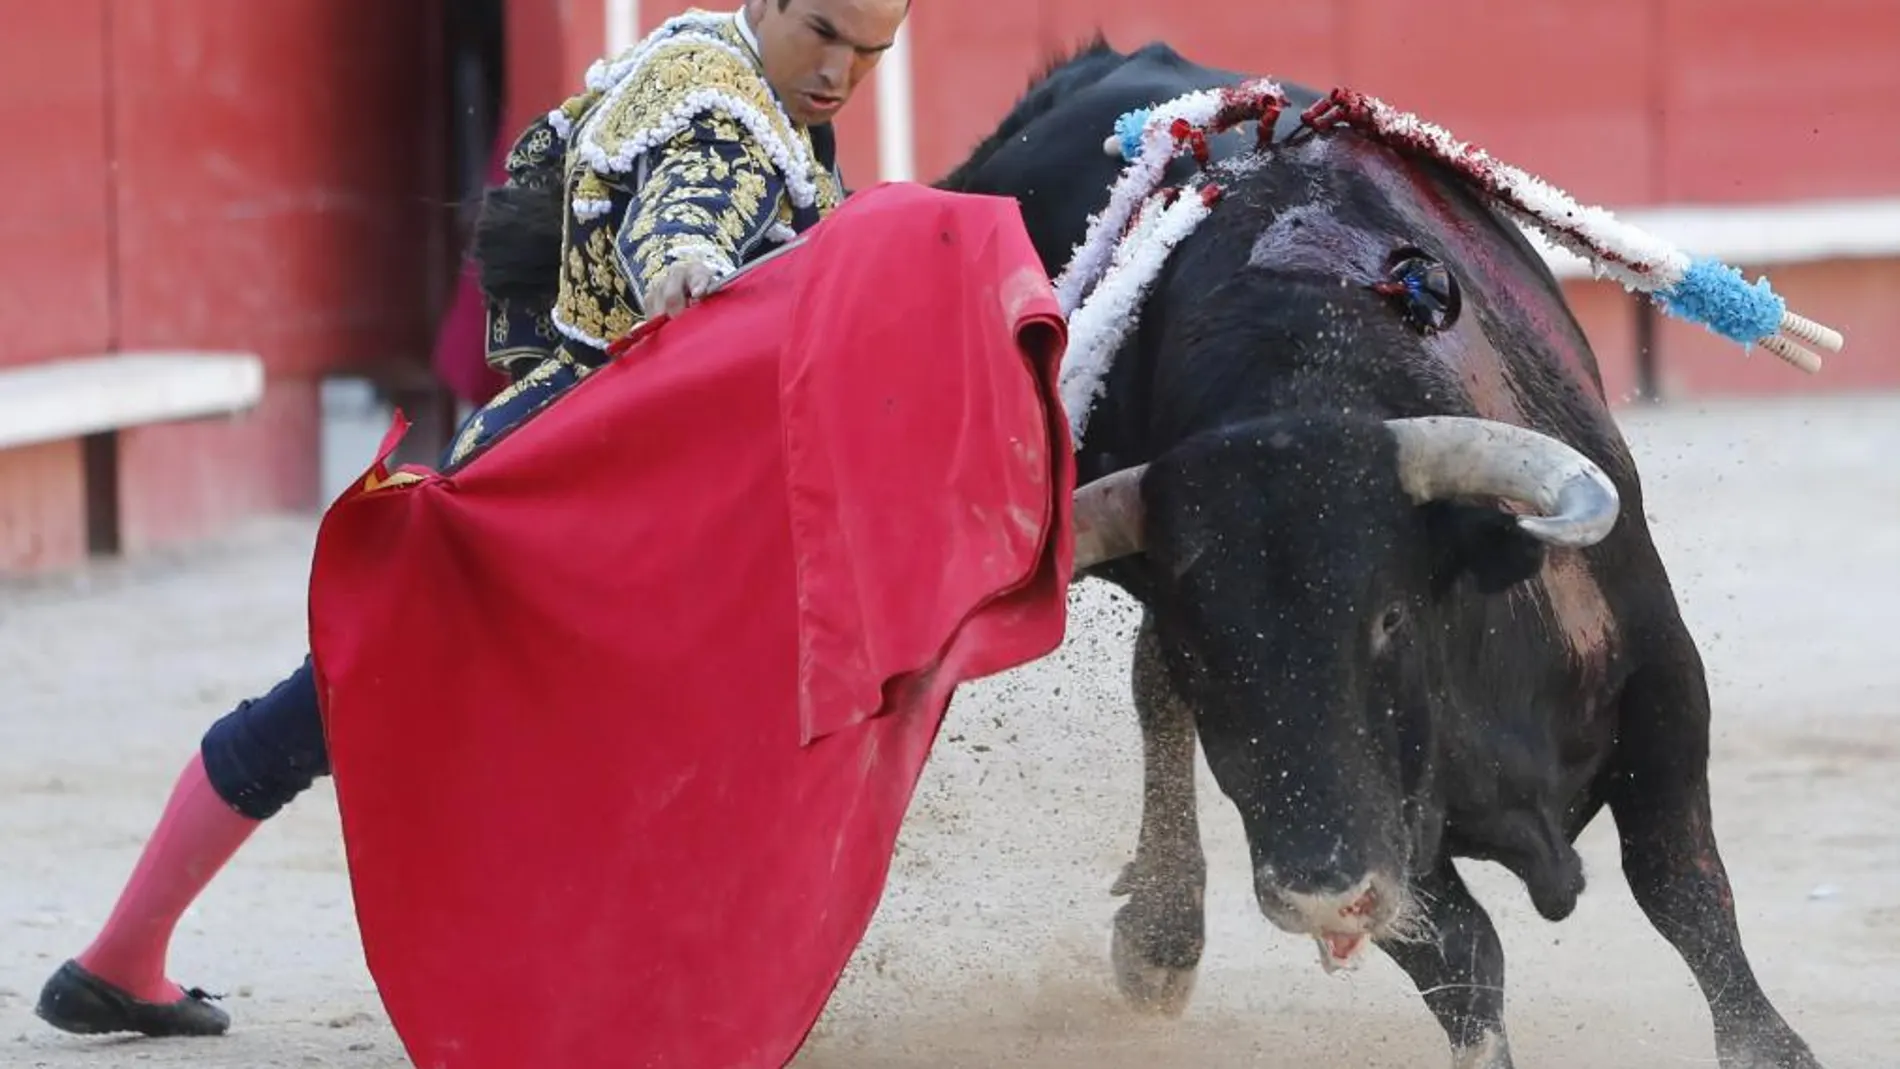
[198,834]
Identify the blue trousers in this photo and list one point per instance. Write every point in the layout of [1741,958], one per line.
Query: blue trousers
[268,750]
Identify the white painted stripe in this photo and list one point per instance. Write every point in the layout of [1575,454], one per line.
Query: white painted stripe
[67,398]
[623,25]
[1759,235]
[896,147]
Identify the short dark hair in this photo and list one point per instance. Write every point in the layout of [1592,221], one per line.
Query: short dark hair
[783,4]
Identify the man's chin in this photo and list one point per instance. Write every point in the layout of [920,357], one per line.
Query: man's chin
[807,111]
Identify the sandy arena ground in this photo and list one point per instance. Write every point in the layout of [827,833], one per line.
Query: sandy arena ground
[1781,523]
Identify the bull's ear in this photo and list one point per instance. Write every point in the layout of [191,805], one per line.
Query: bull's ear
[1177,543]
[1481,542]
[1178,530]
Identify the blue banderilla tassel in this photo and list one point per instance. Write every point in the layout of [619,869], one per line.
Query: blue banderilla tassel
[1128,129]
[1715,295]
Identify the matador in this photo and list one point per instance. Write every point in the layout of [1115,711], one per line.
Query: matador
[704,146]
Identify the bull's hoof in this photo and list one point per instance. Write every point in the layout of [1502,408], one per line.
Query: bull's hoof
[1771,1047]
[1491,1051]
[1150,986]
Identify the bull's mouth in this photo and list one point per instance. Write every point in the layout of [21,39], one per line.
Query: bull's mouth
[1341,944]
[1375,909]
[1338,950]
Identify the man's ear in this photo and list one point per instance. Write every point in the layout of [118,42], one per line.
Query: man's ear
[1481,542]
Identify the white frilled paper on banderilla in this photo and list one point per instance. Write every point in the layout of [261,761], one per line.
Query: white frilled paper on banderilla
[1107,278]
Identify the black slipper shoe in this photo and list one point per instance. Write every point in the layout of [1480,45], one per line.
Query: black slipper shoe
[76,1001]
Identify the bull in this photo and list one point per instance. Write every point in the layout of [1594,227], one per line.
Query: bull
[1357,466]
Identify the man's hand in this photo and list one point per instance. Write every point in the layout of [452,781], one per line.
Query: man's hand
[678,286]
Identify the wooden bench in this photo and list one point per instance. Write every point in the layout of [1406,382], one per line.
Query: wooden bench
[93,398]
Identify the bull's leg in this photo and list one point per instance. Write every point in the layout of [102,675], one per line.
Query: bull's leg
[1460,973]
[1660,799]
[1160,932]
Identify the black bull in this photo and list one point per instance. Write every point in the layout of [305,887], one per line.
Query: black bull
[1398,639]
[1385,668]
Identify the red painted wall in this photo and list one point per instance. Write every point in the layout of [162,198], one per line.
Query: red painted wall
[54,235]
[213,174]
[550,45]
[1767,100]
[243,194]
[296,225]
[1620,101]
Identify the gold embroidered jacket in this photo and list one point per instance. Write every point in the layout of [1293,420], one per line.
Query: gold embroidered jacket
[677,148]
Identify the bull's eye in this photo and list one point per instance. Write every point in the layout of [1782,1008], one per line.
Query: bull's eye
[1423,289]
[1392,620]
[1387,628]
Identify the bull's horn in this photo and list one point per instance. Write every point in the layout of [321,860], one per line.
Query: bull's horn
[1108,518]
[1447,456]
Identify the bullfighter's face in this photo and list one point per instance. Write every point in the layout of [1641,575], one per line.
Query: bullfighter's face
[816,52]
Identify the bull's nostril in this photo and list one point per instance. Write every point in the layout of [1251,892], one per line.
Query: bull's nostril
[1363,906]
[1323,878]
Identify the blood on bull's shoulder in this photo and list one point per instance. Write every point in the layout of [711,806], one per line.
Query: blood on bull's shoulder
[1356,463]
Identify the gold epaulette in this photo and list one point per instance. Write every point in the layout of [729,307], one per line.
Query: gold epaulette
[651,93]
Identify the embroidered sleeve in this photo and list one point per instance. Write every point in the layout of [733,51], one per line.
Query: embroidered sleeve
[519,338]
[520,334]
[711,193]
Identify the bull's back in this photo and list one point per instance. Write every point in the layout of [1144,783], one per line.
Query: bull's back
[1040,169]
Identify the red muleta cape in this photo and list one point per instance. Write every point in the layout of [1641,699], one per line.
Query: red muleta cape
[626,712]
